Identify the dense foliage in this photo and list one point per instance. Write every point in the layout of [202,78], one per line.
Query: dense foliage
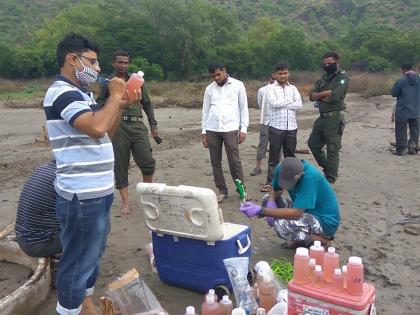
[175,39]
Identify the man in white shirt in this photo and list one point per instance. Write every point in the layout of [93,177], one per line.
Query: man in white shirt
[282,100]
[225,120]
[264,122]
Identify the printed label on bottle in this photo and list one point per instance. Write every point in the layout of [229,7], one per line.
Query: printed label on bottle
[312,310]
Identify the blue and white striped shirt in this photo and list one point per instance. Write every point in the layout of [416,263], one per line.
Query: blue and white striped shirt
[36,220]
[85,165]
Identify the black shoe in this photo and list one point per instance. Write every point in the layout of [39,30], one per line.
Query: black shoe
[400,153]
[412,151]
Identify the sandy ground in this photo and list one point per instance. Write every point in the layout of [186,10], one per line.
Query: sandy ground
[378,192]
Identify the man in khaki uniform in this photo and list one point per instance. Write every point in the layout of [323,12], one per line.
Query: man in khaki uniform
[329,93]
[132,134]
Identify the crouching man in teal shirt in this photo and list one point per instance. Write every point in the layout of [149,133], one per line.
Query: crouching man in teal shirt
[311,214]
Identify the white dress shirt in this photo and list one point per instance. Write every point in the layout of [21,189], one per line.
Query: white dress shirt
[282,102]
[225,108]
[264,118]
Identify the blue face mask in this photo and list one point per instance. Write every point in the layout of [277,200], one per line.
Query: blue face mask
[87,76]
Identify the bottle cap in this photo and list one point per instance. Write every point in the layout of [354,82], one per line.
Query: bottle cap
[337,272]
[267,278]
[140,74]
[344,268]
[261,265]
[190,310]
[318,268]
[317,244]
[211,291]
[354,260]
[331,250]
[260,311]
[238,311]
[302,251]
[225,298]
[312,261]
[210,298]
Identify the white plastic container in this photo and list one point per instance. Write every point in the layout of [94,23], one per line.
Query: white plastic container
[184,211]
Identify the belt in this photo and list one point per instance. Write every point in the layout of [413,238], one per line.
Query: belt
[329,114]
[129,118]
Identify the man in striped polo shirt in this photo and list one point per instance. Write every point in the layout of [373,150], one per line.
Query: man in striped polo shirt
[79,136]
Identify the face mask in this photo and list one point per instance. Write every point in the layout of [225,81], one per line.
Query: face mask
[330,68]
[87,76]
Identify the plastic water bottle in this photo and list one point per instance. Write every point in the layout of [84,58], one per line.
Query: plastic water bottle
[317,251]
[355,276]
[225,306]
[134,83]
[190,310]
[337,280]
[318,277]
[210,306]
[267,293]
[301,266]
[331,262]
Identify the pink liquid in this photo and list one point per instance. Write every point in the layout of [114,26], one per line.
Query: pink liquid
[337,282]
[344,273]
[134,83]
[210,308]
[331,262]
[225,308]
[267,295]
[318,280]
[317,252]
[301,266]
[355,277]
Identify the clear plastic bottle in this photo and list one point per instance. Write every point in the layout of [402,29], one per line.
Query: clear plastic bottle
[355,276]
[312,264]
[210,306]
[318,280]
[225,306]
[301,266]
[337,280]
[190,310]
[344,273]
[267,293]
[317,251]
[331,262]
[134,83]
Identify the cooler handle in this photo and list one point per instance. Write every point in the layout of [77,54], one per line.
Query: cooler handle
[242,249]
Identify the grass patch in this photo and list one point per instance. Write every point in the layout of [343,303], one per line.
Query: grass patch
[21,90]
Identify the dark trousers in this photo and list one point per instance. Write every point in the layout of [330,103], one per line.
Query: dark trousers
[215,142]
[279,139]
[401,134]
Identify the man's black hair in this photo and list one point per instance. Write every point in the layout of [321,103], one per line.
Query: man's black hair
[406,66]
[332,55]
[282,65]
[213,66]
[120,53]
[74,43]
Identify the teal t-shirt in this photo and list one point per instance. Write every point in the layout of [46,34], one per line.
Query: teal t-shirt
[314,194]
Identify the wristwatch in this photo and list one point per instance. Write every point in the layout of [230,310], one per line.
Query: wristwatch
[261,214]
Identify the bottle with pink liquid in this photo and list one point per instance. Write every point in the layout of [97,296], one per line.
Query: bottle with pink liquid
[134,83]
[225,306]
[344,273]
[190,310]
[267,293]
[301,266]
[337,280]
[317,251]
[331,262]
[210,306]
[318,280]
[312,264]
[355,276]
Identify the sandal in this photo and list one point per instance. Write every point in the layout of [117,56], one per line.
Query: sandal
[255,172]
[266,188]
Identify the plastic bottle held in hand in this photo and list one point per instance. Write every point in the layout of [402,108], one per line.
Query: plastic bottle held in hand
[267,293]
[317,251]
[225,306]
[331,262]
[190,310]
[210,306]
[355,276]
[337,280]
[344,273]
[134,83]
[312,264]
[301,266]
[318,277]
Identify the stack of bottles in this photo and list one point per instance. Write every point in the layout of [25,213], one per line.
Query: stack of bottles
[322,269]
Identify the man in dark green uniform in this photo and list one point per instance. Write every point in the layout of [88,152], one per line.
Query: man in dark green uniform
[329,93]
[132,133]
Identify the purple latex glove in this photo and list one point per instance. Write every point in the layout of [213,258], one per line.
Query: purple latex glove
[270,221]
[250,209]
[271,204]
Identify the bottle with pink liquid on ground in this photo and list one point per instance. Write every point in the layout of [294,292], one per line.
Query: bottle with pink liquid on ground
[225,306]
[210,306]
[267,293]
[317,251]
[337,280]
[331,262]
[355,276]
[301,266]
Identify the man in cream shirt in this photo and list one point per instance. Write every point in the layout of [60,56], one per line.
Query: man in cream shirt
[225,120]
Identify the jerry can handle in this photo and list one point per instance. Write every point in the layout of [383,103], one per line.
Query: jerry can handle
[242,249]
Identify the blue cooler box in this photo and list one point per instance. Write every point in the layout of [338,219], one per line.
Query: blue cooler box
[197,264]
